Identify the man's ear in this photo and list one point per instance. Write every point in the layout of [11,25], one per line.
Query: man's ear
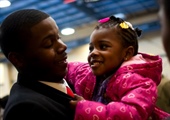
[129,53]
[16,59]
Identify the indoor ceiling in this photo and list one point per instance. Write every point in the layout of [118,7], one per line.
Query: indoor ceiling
[82,15]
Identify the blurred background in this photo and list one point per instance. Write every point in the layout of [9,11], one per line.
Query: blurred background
[76,20]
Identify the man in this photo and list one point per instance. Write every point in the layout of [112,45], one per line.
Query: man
[30,40]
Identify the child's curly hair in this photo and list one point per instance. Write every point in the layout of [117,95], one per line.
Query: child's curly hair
[126,31]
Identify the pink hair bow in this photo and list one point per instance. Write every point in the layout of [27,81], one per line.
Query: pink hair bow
[104,20]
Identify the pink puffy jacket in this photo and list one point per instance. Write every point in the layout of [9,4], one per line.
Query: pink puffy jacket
[132,89]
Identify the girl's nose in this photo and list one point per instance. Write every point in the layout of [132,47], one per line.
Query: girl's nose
[93,53]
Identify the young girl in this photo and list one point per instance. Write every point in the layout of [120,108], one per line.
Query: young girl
[117,83]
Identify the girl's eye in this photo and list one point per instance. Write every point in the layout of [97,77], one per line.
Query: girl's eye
[59,37]
[103,47]
[90,48]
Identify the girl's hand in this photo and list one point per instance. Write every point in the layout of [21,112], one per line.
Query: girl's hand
[73,103]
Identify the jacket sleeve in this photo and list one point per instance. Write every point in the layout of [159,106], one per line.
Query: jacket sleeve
[81,79]
[132,97]
[72,71]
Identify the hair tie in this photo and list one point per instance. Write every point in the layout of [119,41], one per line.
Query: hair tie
[124,25]
[104,20]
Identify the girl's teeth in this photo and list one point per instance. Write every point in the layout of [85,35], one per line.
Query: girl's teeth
[96,63]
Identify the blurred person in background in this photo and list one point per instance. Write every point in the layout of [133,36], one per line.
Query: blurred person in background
[163,100]
[164,17]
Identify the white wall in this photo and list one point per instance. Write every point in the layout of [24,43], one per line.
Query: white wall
[79,53]
[4,80]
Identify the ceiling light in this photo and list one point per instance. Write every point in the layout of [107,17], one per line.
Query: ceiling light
[4,3]
[67,31]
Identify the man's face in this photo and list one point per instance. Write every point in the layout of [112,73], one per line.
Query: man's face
[45,55]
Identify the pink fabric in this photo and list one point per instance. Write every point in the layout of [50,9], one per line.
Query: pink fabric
[104,20]
[132,91]
[138,59]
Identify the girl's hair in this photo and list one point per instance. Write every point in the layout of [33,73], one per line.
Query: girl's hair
[126,31]
[15,29]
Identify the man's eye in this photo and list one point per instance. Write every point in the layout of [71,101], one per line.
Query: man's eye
[48,44]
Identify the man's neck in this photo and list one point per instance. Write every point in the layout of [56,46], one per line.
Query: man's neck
[57,85]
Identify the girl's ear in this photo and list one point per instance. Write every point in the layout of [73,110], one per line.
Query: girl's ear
[16,59]
[129,53]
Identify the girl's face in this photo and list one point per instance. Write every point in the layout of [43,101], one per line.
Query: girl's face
[106,51]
